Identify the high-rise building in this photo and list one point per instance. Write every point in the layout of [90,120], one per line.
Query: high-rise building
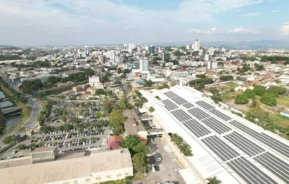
[131,46]
[144,65]
[188,47]
[152,49]
[197,45]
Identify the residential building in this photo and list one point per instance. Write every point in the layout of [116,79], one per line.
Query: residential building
[144,65]
[284,79]
[94,82]
[197,45]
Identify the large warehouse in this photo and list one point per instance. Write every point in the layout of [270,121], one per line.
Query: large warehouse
[223,144]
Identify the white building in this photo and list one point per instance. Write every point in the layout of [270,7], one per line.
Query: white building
[211,51]
[94,82]
[197,45]
[144,65]
[284,79]
[131,46]
[188,47]
[206,58]
[78,169]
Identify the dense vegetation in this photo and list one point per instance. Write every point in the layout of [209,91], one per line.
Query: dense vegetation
[138,151]
[184,147]
[241,99]
[11,93]
[199,83]
[275,59]
[226,77]
[2,122]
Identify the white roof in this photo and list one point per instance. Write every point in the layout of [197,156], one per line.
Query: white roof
[205,160]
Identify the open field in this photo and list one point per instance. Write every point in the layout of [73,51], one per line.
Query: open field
[281,100]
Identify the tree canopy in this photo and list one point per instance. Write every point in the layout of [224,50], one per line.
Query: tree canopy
[249,93]
[2,122]
[259,90]
[226,77]
[269,99]
[241,99]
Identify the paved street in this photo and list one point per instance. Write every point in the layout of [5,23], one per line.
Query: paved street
[167,167]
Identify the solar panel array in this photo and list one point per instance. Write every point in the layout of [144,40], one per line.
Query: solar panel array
[205,105]
[169,105]
[220,115]
[249,172]
[266,139]
[170,94]
[244,144]
[216,125]
[220,148]
[181,115]
[196,128]
[179,100]
[198,113]
[188,105]
[275,165]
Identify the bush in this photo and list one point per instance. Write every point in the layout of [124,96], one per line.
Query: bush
[269,99]
[9,139]
[151,109]
[241,99]
[276,90]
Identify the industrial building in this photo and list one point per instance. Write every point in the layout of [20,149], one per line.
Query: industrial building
[223,144]
[79,168]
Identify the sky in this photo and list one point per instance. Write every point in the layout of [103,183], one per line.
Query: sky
[91,22]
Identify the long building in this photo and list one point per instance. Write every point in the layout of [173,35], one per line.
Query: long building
[78,169]
[223,144]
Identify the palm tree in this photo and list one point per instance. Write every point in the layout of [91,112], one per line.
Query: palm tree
[214,180]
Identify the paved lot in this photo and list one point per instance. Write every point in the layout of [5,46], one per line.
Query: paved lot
[168,167]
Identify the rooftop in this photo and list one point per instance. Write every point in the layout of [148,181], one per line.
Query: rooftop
[67,169]
[223,144]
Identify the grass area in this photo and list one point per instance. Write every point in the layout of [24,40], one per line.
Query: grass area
[282,100]
[232,85]
[230,95]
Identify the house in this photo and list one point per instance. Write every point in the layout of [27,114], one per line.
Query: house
[243,87]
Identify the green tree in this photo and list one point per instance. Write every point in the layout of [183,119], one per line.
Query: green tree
[148,83]
[116,121]
[269,99]
[2,122]
[226,77]
[151,109]
[9,139]
[214,180]
[99,92]
[241,99]
[141,148]
[21,146]
[130,142]
[259,90]
[249,93]
[107,106]
[276,90]
[140,162]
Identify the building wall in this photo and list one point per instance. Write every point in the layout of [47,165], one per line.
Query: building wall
[99,177]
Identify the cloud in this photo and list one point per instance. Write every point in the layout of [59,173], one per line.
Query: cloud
[252,14]
[104,21]
[243,30]
[284,30]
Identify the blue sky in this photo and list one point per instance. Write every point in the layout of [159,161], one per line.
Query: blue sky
[85,22]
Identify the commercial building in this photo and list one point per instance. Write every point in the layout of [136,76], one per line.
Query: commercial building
[144,65]
[78,169]
[223,144]
[152,49]
[44,154]
[166,56]
[197,45]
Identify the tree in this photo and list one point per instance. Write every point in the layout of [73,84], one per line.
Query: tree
[259,90]
[116,122]
[21,146]
[9,139]
[2,122]
[249,93]
[140,162]
[276,90]
[130,142]
[214,180]
[241,99]
[141,148]
[151,109]
[269,99]
[99,92]
[226,77]
[107,106]
[148,83]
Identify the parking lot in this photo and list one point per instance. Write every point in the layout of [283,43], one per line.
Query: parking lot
[166,167]
[65,141]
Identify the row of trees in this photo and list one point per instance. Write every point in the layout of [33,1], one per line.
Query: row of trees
[44,113]
[184,147]
[138,99]
[226,77]
[138,151]
[78,126]
[2,122]
[200,83]
[11,93]
[275,59]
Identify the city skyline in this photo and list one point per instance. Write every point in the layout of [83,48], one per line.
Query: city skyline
[63,22]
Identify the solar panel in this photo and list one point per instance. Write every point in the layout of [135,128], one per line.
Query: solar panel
[220,114]
[179,100]
[170,94]
[216,125]
[181,115]
[196,128]
[244,144]
[188,105]
[198,113]
[169,105]
[205,105]
[220,148]
[275,165]
[266,139]
[249,172]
